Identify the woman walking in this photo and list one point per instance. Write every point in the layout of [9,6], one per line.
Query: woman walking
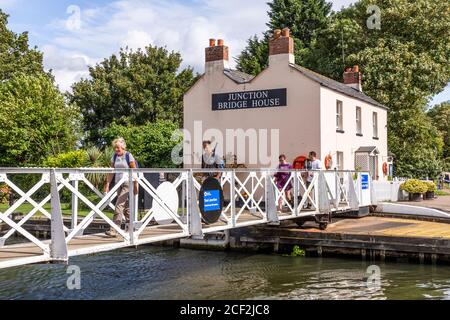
[282,180]
[121,160]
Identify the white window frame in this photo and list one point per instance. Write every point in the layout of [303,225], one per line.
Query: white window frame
[339,115]
[358,121]
[375,124]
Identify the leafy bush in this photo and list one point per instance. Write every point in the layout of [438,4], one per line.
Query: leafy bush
[4,193]
[151,144]
[74,159]
[431,186]
[414,186]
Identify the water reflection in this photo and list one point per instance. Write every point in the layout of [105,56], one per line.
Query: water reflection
[163,273]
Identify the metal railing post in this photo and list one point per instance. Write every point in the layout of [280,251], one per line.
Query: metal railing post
[296,213]
[74,217]
[132,205]
[183,198]
[194,219]
[271,206]
[233,198]
[323,203]
[351,194]
[58,245]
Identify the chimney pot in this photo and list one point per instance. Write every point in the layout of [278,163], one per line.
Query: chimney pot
[276,33]
[281,43]
[216,51]
[356,68]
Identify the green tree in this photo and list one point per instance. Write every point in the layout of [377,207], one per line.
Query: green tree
[36,122]
[15,54]
[404,64]
[151,144]
[305,18]
[417,146]
[131,89]
[440,116]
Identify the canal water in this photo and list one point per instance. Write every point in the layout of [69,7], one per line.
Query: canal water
[166,273]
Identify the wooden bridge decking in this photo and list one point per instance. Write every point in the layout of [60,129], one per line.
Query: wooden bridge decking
[100,242]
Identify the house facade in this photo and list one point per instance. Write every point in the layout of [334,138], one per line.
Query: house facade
[286,109]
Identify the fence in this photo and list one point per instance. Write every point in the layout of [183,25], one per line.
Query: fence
[251,197]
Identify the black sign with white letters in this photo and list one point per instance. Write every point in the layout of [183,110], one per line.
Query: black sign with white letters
[249,100]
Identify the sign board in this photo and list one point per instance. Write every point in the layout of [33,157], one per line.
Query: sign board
[365,189]
[273,98]
[365,181]
[211,200]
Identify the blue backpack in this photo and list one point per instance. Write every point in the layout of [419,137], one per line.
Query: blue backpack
[127,157]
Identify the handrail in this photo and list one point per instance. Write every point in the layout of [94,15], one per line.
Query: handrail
[252,197]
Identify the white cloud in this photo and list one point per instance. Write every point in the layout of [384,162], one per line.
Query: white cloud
[136,23]
[7,4]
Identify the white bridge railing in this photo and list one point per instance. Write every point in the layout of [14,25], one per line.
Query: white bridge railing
[251,197]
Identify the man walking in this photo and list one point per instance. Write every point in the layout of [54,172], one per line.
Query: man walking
[314,164]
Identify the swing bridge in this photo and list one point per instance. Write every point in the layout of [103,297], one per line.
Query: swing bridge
[251,198]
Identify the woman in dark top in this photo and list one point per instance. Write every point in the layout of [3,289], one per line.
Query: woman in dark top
[282,180]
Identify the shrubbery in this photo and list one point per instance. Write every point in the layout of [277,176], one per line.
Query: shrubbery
[432,187]
[74,159]
[414,186]
[151,144]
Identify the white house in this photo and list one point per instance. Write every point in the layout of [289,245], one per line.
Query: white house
[311,111]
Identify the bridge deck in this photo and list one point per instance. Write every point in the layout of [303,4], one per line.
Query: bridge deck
[19,254]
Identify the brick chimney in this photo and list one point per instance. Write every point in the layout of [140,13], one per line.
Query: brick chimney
[281,47]
[216,56]
[353,78]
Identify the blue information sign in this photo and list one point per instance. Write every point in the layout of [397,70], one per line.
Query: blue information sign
[365,181]
[211,200]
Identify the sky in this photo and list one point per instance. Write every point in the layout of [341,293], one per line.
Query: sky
[74,34]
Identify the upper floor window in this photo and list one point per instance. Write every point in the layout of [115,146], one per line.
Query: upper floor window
[375,124]
[339,116]
[358,121]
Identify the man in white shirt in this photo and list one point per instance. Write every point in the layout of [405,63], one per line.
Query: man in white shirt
[314,164]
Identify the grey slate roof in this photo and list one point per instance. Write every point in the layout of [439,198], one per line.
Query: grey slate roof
[242,78]
[337,86]
[237,76]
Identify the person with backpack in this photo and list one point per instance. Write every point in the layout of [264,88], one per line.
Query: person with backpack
[121,160]
[211,160]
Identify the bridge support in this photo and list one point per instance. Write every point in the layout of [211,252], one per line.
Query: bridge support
[352,196]
[58,245]
[324,206]
[194,220]
[271,206]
